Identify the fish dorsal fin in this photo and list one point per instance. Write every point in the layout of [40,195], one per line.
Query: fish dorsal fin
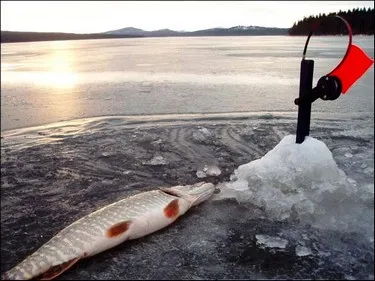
[169,191]
[177,193]
[174,191]
[57,270]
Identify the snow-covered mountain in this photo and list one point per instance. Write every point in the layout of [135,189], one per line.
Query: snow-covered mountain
[241,27]
[232,31]
[128,31]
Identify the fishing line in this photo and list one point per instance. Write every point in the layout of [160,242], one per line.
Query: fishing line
[315,27]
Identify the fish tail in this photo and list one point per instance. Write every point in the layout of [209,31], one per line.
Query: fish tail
[14,274]
[27,269]
[36,267]
[17,273]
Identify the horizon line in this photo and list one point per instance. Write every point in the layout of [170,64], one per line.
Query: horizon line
[144,29]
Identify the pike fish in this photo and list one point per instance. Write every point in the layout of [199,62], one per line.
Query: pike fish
[127,219]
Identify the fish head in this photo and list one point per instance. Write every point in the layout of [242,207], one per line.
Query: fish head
[195,193]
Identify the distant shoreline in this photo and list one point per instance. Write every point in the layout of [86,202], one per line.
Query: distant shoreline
[128,37]
[21,37]
[24,37]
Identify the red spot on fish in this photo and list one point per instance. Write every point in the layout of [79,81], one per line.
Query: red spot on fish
[57,270]
[118,228]
[172,210]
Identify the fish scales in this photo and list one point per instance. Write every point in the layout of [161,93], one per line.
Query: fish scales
[129,218]
[73,241]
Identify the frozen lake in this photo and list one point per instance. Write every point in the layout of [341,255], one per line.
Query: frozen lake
[46,82]
[157,112]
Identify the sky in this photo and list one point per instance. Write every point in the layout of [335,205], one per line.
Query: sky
[100,16]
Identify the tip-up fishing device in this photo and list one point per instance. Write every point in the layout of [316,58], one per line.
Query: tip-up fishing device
[354,64]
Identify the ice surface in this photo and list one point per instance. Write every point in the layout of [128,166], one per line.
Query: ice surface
[303,181]
[76,167]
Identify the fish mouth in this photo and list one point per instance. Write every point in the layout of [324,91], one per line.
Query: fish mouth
[196,193]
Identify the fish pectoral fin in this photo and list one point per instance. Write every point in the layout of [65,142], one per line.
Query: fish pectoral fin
[118,228]
[57,270]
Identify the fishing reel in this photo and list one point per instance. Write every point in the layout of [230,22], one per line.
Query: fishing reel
[329,87]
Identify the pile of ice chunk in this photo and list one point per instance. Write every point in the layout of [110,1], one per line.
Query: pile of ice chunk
[302,181]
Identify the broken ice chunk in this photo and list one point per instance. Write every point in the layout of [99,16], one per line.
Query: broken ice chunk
[352,181]
[205,131]
[271,241]
[302,251]
[240,185]
[203,135]
[158,141]
[157,160]
[209,170]
[201,174]
[212,170]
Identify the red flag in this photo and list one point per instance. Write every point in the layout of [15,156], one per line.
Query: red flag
[352,67]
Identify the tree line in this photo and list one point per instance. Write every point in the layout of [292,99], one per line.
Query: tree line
[360,20]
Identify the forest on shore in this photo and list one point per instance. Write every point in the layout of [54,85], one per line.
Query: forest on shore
[360,20]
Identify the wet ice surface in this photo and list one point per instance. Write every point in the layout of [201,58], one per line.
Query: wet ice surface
[53,175]
[44,82]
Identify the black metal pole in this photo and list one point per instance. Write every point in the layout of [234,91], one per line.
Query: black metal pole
[304,109]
